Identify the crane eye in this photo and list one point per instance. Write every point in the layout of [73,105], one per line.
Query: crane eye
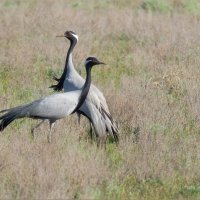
[87,61]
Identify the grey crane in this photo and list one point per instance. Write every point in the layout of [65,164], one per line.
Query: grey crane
[95,107]
[52,107]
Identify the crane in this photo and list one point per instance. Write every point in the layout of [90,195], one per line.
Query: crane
[95,107]
[52,107]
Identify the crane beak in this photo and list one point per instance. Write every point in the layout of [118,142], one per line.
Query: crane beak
[60,36]
[101,63]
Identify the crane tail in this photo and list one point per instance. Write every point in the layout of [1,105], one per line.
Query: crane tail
[111,125]
[57,87]
[2,111]
[7,119]
[12,114]
[56,79]
[115,135]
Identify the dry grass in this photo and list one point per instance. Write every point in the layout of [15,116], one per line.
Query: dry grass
[151,85]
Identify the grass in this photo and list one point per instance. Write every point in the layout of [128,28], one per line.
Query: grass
[151,83]
[157,5]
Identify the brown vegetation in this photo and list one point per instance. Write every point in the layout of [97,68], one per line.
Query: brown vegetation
[151,85]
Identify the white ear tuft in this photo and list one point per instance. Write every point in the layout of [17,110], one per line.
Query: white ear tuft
[76,36]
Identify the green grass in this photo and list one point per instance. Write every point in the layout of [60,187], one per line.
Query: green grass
[157,5]
[192,6]
[150,188]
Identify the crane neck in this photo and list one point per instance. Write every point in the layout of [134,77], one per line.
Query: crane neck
[69,62]
[85,88]
[68,69]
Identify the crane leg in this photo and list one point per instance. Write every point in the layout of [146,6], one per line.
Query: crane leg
[79,117]
[35,127]
[91,136]
[51,124]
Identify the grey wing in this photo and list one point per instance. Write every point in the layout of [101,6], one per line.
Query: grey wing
[55,106]
[101,97]
[101,120]
[95,116]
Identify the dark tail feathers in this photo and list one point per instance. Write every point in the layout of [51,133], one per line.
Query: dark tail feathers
[12,114]
[115,131]
[115,135]
[56,79]
[57,87]
[6,119]
[2,111]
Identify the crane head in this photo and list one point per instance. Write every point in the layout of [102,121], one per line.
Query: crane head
[70,35]
[91,61]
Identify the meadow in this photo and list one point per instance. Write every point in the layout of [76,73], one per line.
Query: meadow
[151,83]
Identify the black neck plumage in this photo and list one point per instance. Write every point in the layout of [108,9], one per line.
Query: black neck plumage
[72,45]
[85,89]
[59,85]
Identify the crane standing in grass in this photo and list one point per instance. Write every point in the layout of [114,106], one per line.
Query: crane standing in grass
[53,107]
[95,107]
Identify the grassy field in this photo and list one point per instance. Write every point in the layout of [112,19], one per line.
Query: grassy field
[151,83]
